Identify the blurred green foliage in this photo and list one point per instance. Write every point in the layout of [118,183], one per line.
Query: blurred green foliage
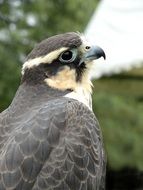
[118,103]
[118,100]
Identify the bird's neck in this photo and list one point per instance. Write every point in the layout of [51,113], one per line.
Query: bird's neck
[32,96]
[28,96]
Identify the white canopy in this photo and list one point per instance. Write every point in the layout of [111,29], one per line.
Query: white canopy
[117,27]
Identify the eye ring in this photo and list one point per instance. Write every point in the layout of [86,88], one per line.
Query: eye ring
[68,56]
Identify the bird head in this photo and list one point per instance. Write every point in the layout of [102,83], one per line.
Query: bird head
[62,62]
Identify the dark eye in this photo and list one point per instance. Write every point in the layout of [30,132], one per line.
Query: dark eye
[87,47]
[68,56]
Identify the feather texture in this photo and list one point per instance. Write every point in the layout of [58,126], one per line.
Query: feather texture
[49,142]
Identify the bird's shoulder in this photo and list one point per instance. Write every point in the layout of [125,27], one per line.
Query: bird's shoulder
[65,105]
[61,134]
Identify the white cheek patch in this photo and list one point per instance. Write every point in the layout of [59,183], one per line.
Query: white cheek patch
[64,79]
[47,59]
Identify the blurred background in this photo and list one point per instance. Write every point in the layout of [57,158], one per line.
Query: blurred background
[116,26]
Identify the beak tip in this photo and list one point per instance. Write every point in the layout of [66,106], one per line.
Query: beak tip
[104,55]
[100,53]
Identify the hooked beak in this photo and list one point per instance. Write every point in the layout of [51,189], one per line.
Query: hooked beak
[95,52]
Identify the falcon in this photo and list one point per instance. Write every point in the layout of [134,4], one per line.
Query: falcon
[50,138]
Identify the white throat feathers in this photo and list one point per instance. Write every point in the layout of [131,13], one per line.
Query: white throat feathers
[82,96]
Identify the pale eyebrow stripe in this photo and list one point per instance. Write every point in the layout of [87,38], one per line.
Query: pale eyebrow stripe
[42,59]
